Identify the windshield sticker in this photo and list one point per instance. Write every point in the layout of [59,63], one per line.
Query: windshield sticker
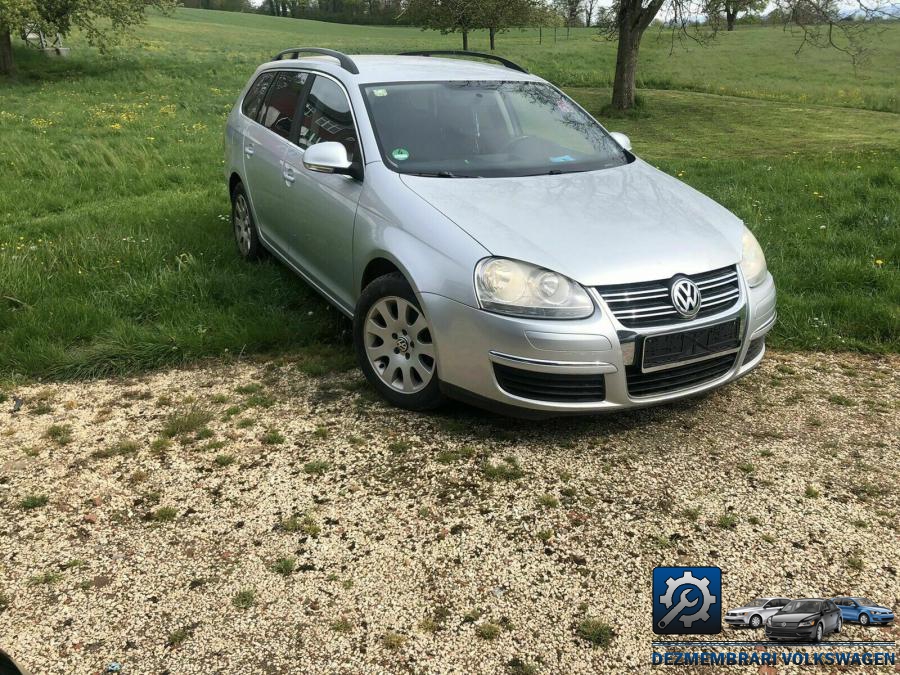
[400,154]
[379,92]
[562,158]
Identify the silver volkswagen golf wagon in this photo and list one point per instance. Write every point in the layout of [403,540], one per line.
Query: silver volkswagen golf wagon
[491,241]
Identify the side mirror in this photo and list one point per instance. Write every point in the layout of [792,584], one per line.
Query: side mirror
[621,139]
[327,157]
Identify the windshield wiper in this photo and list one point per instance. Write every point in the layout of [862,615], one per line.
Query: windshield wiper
[440,174]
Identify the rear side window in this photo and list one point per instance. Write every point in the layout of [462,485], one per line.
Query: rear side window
[254,98]
[281,101]
[327,117]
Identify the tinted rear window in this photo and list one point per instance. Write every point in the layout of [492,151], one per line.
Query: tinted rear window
[281,102]
[254,98]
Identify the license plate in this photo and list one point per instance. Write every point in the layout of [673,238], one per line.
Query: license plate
[662,350]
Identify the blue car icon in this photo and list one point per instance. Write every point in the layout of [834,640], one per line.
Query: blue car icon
[863,610]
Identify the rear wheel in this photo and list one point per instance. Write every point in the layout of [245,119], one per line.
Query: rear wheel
[246,236]
[395,345]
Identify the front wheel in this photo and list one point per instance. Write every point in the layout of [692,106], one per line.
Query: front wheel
[395,345]
[840,624]
[755,621]
[864,619]
[819,633]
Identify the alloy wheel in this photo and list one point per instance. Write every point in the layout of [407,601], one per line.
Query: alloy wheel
[819,633]
[398,344]
[242,224]
[755,622]
[864,619]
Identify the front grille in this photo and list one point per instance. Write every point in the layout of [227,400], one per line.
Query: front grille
[647,303]
[680,377]
[754,349]
[554,387]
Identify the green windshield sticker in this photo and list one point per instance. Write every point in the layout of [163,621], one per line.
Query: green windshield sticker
[379,92]
[400,154]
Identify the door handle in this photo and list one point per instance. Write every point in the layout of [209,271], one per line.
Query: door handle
[248,150]
[288,175]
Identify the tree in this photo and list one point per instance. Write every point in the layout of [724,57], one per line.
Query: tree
[100,22]
[498,15]
[819,22]
[447,16]
[588,7]
[731,8]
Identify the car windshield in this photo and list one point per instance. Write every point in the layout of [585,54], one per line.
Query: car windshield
[865,602]
[481,129]
[801,606]
[759,602]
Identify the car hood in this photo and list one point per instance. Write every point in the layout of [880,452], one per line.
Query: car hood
[875,607]
[745,609]
[620,225]
[793,618]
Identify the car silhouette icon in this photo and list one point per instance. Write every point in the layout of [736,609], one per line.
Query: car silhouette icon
[755,613]
[863,610]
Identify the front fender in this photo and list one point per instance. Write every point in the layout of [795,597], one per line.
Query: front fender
[394,223]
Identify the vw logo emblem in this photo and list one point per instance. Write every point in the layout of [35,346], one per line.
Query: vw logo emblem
[783,624]
[685,297]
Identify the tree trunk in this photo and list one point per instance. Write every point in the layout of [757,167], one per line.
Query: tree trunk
[465,40]
[7,65]
[730,18]
[626,67]
[493,33]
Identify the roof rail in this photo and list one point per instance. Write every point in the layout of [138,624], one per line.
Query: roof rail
[345,61]
[460,52]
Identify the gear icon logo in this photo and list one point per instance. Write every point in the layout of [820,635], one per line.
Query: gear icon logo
[687,600]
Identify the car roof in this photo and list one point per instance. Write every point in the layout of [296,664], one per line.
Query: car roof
[375,68]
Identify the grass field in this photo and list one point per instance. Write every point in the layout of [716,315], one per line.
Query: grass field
[115,250]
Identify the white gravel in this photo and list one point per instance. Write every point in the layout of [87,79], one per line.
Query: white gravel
[417,546]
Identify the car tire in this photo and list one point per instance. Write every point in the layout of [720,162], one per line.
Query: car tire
[755,621]
[840,625]
[395,346]
[864,619]
[820,633]
[243,226]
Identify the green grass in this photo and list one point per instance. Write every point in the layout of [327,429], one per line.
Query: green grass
[121,257]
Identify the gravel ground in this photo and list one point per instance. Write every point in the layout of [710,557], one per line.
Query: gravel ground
[141,521]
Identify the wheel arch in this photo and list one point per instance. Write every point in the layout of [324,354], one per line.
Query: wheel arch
[233,181]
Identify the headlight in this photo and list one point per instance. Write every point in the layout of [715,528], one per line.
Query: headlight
[753,261]
[807,623]
[520,289]
[769,621]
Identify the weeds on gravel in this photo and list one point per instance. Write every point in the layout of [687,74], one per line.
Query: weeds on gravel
[863,491]
[472,615]
[341,625]
[245,423]
[186,422]
[224,460]
[548,501]
[435,622]
[753,520]
[516,666]
[120,449]
[691,513]
[465,452]
[746,467]
[247,389]
[61,434]
[34,502]
[164,514]
[811,492]
[769,539]
[398,447]
[4,599]
[507,469]
[272,437]
[285,566]
[662,541]
[487,631]
[303,523]
[244,599]
[45,578]
[545,535]
[838,399]
[596,632]
[727,521]
[316,467]
[392,641]
[178,636]
[31,451]
[855,563]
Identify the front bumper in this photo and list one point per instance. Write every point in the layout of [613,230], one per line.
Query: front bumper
[776,633]
[737,620]
[881,618]
[470,341]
